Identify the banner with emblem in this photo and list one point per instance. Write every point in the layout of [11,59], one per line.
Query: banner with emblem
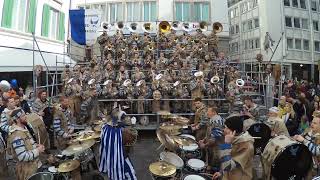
[84,25]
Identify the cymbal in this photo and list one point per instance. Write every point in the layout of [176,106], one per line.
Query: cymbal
[98,122]
[78,147]
[68,166]
[87,136]
[183,141]
[164,114]
[162,169]
[181,120]
[171,129]
[98,128]
[165,140]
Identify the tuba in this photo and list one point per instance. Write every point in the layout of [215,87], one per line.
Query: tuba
[240,82]
[147,27]
[217,27]
[176,25]
[133,27]
[203,26]
[186,27]
[120,25]
[105,26]
[164,26]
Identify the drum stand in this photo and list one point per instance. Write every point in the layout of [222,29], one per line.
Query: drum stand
[260,157]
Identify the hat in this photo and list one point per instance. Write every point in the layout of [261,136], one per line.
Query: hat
[274,109]
[106,82]
[126,82]
[91,81]
[198,74]
[159,76]
[235,123]
[176,83]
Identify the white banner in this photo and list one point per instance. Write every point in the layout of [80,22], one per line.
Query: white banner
[92,23]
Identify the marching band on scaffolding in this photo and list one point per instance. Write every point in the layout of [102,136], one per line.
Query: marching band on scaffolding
[156,73]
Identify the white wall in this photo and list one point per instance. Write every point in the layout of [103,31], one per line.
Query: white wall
[13,58]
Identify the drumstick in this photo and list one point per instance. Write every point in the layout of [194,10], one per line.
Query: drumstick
[256,137]
[39,137]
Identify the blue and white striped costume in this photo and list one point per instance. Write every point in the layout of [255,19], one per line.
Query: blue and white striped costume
[112,158]
[4,124]
[57,123]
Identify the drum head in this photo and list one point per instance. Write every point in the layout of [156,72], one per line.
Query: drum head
[193,177]
[264,132]
[295,160]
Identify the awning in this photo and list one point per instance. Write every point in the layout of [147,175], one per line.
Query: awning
[15,59]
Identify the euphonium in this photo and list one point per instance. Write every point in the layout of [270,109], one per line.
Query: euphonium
[217,27]
[164,26]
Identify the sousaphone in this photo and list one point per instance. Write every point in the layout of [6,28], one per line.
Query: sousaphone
[203,26]
[164,27]
[217,27]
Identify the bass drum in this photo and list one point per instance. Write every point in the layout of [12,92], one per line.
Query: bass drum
[264,132]
[36,124]
[42,176]
[285,158]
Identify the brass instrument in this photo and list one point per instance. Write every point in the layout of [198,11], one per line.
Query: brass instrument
[186,27]
[203,26]
[164,26]
[105,26]
[133,27]
[147,27]
[175,25]
[240,82]
[120,25]
[217,27]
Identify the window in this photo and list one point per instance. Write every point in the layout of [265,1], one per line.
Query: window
[116,12]
[52,23]
[244,26]
[133,11]
[236,12]
[314,6]
[183,11]
[201,11]
[246,44]
[149,11]
[306,44]
[288,21]
[256,23]
[231,13]
[244,7]
[257,43]
[19,15]
[295,3]
[289,43]
[251,45]
[286,2]
[255,3]
[303,4]
[297,43]
[316,25]
[249,24]
[232,30]
[317,46]
[237,29]
[305,24]
[296,22]
[102,8]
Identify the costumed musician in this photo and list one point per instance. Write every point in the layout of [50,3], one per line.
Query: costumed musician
[214,137]
[250,108]
[62,123]
[6,121]
[109,92]
[290,119]
[237,151]
[199,125]
[22,147]
[281,106]
[197,86]
[311,138]
[276,124]
[179,92]
[142,92]
[113,160]
[40,103]
[89,105]
[122,75]
[214,90]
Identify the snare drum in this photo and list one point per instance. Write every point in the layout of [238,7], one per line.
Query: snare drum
[188,136]
[172,158]
[39,129]
[42,176]
[264,132]
[195,165]
[193,177]
[192,151]
[285,158]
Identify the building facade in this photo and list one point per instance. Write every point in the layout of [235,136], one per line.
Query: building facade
[298,20]
[19,19]
[160,10]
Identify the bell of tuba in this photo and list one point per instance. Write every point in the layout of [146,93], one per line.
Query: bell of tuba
[133,27]
[186,27]
[217,27]
[240,82]
[147,27]
[120,25]
[176,25]
[203,26]
[105,26]
[164,26]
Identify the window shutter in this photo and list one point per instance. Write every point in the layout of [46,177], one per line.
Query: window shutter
[7,13]
[45,20]
[61,27]
[32,16]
